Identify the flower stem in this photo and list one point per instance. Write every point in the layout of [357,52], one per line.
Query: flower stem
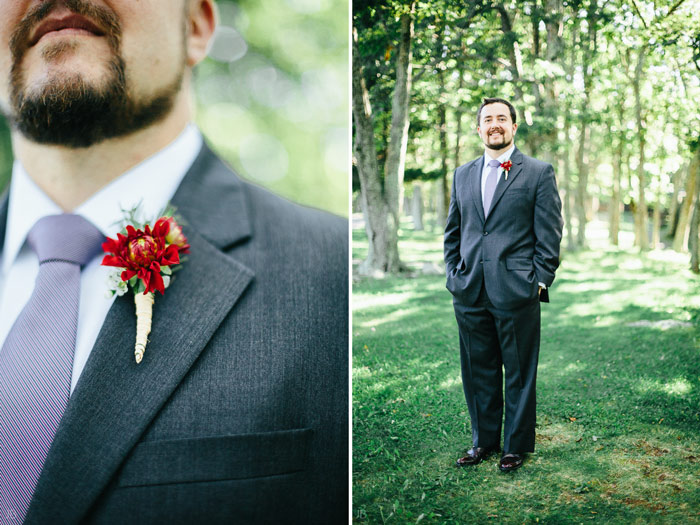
[144,316]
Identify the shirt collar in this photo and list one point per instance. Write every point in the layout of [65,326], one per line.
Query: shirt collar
[502,158]
[151,183]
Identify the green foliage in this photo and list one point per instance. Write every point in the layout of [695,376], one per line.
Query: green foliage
[517,50]
[618,418]
[279,113]
[412,174]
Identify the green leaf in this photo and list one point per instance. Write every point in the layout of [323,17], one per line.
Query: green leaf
[140,287]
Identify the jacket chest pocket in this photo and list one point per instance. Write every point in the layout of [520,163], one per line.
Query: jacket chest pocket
[218,458]
[520,192]
[517,201]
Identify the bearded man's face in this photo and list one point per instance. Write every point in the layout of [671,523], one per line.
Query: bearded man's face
[496,127]
[79,72]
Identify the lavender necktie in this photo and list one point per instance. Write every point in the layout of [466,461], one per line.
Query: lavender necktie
[36,359]
[490,186]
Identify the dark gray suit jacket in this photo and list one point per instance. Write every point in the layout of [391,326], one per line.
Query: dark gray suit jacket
[516,246]
[239,411]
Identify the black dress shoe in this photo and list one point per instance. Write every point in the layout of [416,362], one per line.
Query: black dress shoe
[475,456]
[510,462]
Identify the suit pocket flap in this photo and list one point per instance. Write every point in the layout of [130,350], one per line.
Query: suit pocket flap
[237,456]
[518,263]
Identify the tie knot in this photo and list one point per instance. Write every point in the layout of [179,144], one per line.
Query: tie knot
[66,237]
[493,163]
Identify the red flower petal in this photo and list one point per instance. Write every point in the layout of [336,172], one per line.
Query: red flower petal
[127,274]
[157,282]
[170,256]
[110,260]
[110,246]
[162,227]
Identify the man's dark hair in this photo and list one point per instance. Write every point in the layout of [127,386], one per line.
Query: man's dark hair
[488,101]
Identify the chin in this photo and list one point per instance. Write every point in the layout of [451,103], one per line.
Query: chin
[503,145]
[67,58]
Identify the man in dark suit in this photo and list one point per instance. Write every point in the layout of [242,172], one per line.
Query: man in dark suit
[239,411]
[501,251]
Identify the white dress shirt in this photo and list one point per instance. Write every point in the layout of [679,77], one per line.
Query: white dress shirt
[152,183]
[504,157]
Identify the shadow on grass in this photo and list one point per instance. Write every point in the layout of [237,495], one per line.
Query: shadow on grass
[618,416]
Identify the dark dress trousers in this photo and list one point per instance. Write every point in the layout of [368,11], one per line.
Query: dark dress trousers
[494,265]
[238,412]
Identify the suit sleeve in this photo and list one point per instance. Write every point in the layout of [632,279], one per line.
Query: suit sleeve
[452,231]
[548,225]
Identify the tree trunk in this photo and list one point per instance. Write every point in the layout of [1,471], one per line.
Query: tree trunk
[588,54]
[693,239]
[679,239]
[672,219]
[656,225]
[380,224]
[554,22]
[615,203]
[694,224]
[443,189]
[691,199]
[582,186]
[407,206]
[567,186]
[459,113]
[641,233]
[417,207]
[514,53]
[398,135]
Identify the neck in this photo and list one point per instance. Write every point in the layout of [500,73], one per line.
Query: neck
[495,153]
[70,176]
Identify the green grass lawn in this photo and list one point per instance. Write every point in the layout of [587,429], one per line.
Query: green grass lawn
[618,405]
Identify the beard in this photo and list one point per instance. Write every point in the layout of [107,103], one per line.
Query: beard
[503,145]
[68,110]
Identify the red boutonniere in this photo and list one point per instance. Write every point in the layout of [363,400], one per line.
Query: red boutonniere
[507,165]
[144,258]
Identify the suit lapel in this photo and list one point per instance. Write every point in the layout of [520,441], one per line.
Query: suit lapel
[517,159]
[116,399]
[475,182]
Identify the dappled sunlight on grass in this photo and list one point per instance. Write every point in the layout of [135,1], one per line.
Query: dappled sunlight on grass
[452,383]
[395,316]
[679,386]
[391,299]
[362,372]
[618,405]
[575,367]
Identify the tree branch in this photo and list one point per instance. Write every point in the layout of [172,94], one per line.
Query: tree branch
[678,4]
[634,4]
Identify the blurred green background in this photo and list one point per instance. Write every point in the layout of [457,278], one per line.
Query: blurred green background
[272,98]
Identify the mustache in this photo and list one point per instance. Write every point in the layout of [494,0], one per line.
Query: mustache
[105,18]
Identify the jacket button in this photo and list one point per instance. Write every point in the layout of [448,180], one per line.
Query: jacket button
[481,262]
[486,233]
